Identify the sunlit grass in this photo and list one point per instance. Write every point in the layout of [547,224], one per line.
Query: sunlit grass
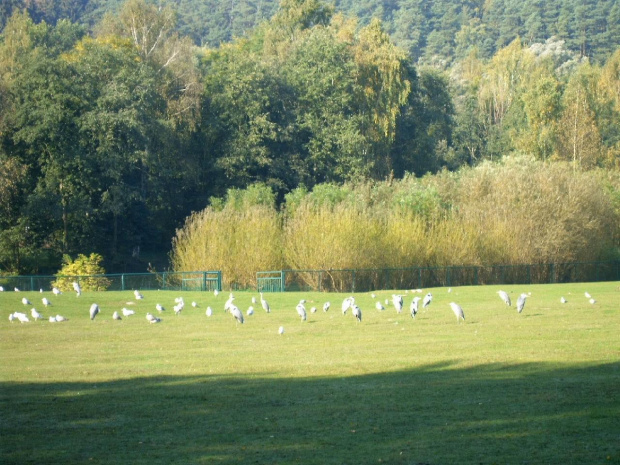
[503,387]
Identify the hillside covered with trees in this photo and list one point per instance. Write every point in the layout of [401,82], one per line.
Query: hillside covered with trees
[120,119]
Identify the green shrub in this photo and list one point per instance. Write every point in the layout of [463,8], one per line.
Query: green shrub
[83,269]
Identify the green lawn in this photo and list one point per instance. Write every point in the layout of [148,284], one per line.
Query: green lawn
[541,387]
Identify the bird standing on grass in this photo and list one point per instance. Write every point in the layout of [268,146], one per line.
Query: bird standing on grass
[413,308]
[46,302]
[77,288]
[25,301]
[116,316]
[397,300]
[521,302]
[235,312]
[357,313]
[326,306]
[427,300]
[346,304]
[36,315]
[160,308]
[458,311]
[379,306]
[505,297]
[127,312]
[301,310]
[94,310]
[264,303]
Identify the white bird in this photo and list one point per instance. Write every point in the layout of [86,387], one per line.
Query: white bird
[253,300]
[250,311]
[397,301]
[427,300]
[35,315]
[1,289]
[138,295]
[326,306]
[16,289]
[592,301]
[587,294]
[94,309]
[56,291]
[379,306]
[160,308]
[236,313]
[194,304]
[521,302]
[25,301]
[45,301]
[179,300]
[52,319]
[41,290]
[281,330]
[312,309]
[505,297]
[116,316]
[22,317]
[346,304]
[155,320]
[301,311]
[127,312]
[458,311]
[11,317]
[209,311]
[413,308]
[177,309]
[60,318]
[216,292]
[357,313]
[563,300]
[150,317]
[264,303]
[77,288]
[373,295]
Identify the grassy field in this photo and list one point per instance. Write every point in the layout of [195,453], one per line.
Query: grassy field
[540,387]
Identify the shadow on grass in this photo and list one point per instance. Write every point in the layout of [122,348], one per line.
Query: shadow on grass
[530,413]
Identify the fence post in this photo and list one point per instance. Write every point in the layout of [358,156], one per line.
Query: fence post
[282,280]
[163,281]
[353,283]
[122,281]
[529,274]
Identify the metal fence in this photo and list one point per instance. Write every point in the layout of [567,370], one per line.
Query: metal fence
[183,280]
[362,280]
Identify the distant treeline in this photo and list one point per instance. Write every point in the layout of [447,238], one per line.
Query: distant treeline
[110,136]
[519,211]
[432,31]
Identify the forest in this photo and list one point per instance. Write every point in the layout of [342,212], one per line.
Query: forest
[123,123]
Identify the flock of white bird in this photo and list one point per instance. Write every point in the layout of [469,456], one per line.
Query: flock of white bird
[229,306]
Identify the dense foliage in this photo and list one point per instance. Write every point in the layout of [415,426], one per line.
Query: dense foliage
[495,213]
[115,127]
[432,31]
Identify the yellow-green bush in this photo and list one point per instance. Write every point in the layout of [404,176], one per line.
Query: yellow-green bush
[241,238]
[516,211]
[85,268]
